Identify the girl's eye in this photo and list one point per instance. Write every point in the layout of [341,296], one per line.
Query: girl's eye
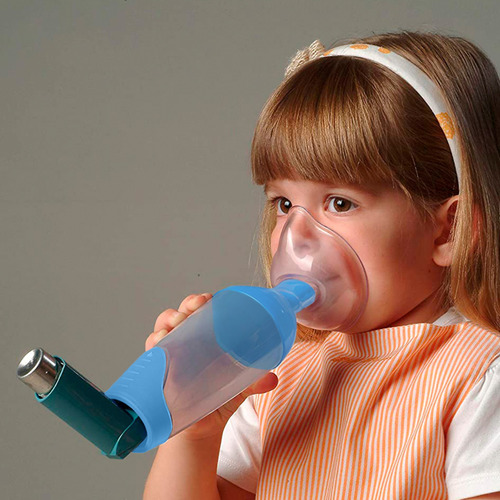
[283,205]
[340,205]
[335,204]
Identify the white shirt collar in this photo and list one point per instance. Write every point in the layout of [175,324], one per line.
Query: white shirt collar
[450,317]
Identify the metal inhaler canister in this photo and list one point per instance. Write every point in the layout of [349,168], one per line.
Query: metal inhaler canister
[115,429]
[39,370]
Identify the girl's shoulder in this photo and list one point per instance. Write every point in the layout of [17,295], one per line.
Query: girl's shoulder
[473,454]
[465,328]
[454,317]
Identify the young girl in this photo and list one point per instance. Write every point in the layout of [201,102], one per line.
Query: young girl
[392,141]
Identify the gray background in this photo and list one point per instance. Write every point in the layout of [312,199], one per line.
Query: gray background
[125,183]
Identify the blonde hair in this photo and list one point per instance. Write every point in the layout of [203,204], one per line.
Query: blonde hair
[345,119]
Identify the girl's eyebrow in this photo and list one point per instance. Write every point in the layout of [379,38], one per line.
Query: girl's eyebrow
[267,189]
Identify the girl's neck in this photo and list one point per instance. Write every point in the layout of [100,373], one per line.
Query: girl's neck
[427,311]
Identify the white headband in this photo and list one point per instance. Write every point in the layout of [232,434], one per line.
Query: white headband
[427,89]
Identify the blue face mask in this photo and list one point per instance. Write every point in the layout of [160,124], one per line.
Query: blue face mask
[311,252]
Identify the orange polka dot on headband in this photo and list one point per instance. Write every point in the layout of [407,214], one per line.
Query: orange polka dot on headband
[446,124]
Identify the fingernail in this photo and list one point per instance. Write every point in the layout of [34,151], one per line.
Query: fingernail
[161,333]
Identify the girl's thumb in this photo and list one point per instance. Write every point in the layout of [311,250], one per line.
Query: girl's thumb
[267,383]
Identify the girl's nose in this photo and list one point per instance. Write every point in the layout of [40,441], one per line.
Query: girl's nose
[301,232]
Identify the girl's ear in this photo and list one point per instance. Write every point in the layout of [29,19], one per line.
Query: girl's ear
[444,221]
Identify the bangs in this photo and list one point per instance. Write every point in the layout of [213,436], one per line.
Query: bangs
[337,119]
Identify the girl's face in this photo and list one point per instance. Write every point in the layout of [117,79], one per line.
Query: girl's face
[391,238]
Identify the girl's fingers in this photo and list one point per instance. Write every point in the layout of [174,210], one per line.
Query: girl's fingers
[153,339]
[193,302]
[169,319]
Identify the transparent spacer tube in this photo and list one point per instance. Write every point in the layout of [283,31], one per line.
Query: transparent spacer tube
[201,375]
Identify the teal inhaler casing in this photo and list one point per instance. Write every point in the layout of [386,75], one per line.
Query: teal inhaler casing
[114,428]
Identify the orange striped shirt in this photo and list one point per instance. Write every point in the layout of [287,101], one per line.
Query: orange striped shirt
[366,415]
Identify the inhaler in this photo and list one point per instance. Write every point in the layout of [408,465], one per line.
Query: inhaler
[227,344]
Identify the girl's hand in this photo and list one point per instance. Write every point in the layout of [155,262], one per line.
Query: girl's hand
[214,423]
